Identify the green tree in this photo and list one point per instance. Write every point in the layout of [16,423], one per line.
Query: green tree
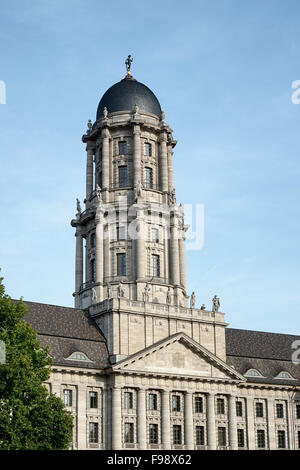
[30,417]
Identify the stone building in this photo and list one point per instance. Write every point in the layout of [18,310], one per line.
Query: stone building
[138,365]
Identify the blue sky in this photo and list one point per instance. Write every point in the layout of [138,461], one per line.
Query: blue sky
[222,71]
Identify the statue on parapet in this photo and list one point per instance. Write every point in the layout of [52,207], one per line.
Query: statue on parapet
[216,304]
[137,190]
[169,298]
[90,126]
[146,293]
[78,206]
[120,291]
[98,193]
[94,296]
[193,300]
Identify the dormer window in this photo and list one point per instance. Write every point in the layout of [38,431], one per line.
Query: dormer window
[78,356]
[147,149]
[253,373]
[284,375]
[122,147]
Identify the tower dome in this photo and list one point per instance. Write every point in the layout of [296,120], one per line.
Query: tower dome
[127,93]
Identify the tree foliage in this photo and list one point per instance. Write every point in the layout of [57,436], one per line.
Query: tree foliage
[30,417]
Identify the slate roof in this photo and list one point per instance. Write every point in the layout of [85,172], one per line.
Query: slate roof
[269,353]
[66,330]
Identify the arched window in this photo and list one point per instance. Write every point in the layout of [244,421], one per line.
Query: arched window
[253,373]
[78,356]
[284,375]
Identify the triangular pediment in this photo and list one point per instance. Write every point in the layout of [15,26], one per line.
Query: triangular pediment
[178,355]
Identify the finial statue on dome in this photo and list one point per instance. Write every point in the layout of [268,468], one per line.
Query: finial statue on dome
[128,62]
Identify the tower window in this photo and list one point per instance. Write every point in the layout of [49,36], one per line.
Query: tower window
[155,266]
[67,397]
[148,177]
[154,235]
[123,147]
[93,433]
[121,264]
[93,270]
[147,149]
[123,176]
[177,435]
[129,433]
[93,399]
[153,433]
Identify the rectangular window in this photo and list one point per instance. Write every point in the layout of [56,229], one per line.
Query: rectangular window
[93,240]
[148,178]
[147,149]
[123,147]
[221,436]
[153,433]
[198,405]
[121,264]
[177,436]
[298,411]
[220,406]
[128,400]
[200,436]
[93,399]
[152,401]
[298,436]
[175,403]
[93,270]
[93,433]
[100,179]
[121,232]
[239,408]
[241,438]
[123,176]
[154,235]
[67,397]
[129,433]
[259,408]
[281,439]
[155,266]
[279,410]
[261,440]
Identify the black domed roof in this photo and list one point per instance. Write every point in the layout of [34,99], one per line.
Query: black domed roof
[125,94]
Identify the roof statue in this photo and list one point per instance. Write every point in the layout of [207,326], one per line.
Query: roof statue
[128,62]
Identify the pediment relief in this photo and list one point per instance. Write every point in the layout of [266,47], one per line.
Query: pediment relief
[178,355]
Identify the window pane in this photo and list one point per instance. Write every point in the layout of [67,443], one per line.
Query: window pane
[259,410]
[222,436]
[93,240]
[153,433]
[93,270]
[121,264]
[175,403]
[200,440]
[122,147]
[279,410]
[147,149]
[152,401]
[241,440]
[198,405]
[123,176]
[281,439]
[93,400]
[260,438]
[68,397]
[121,232]
[128,400]
[155,266]
[129,433]
[220,406]
[148,178]
[239,408]
[177,438]
[298,411]
[93,432]
[154,235]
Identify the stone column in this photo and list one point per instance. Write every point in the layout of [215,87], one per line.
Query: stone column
[188,420]
[82,429]
[78,261]
[174,255]
[232,423]
[163,160]
[116,419]
[141,260]
[136,154]
[105,158]
[211,422]
[99,250]
[250,424]
[89,171]
[165,420]
[271,424]
[182,259]
[141,419]
[170,168]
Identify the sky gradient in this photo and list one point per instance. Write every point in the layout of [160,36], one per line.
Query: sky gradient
[222,71]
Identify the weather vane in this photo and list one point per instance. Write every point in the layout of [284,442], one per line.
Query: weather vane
[128,62]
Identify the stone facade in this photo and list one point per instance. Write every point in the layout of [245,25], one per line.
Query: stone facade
[137,366]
